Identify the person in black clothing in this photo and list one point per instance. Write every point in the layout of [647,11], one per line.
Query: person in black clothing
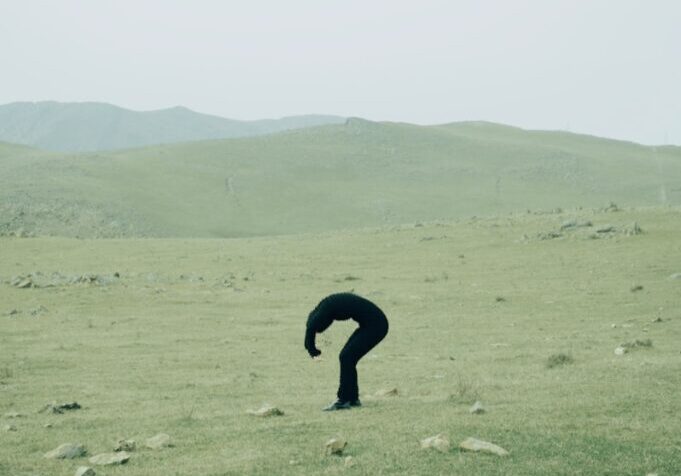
[373,327]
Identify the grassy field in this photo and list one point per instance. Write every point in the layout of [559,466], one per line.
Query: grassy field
[193,333]
[358,174]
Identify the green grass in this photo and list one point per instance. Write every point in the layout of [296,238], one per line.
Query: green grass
[359,174]
[160,350]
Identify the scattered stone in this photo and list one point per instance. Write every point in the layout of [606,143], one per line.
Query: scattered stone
[159,441]
[59,408]
[47,425]
[9,428]
[22,282]
[37,310]
[567,225]
[66,451]
[606,229]
[349,462]
[549,235]
[636,287]
[473,444]
[13,415]
[108,459]
[634,344]
[438,442]
[620,350]
[335,446]
[614,326]
[657,319]
[125,445]
[675,276]
[13,312]
[387,392]
[85,471]
[477,408]
[266,411]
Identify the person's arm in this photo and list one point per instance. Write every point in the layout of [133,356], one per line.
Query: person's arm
[318,321]
[310,344]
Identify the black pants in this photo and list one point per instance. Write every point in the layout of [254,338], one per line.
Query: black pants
[359,344]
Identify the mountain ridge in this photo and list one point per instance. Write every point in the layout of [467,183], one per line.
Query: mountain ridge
[95,126]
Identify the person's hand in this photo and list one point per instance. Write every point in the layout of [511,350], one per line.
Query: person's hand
[314,352]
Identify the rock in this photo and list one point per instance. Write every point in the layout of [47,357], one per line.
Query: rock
[22,282]
[125,445]
[59,408]
[266,411]
[657,319]
[109,459]
[636,287]
[13,415]
[159,441]
[388,392]
[675,276]
[13,312]
[438,442]
[349,462]
[473,444]
[477,408]
[335,446]
[606,229]
[85,471]
[9,428]
[47,425]
[621,350]
[66,451]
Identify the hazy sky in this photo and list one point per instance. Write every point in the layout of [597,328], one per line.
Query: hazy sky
[610,68]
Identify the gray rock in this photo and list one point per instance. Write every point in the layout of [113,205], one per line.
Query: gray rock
[438,442]
[335,446]
[13,415]
[66,451]
[266,411]
[387,392]
[621,350]
[473,444]
[125,445]
[477,408]
[159,441]
[109,459]
[85,471]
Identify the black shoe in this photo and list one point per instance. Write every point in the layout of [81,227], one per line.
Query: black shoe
[355,403]
[338,405]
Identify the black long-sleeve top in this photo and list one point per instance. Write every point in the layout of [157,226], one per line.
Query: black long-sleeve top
[340,307]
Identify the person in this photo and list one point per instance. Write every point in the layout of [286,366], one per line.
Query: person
[373,327]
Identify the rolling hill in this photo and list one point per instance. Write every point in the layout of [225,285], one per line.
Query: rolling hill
[356,174]
[90,126]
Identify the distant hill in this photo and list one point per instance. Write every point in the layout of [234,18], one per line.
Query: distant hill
[90,126]
[355,174]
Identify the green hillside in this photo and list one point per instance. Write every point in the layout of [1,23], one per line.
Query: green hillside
[331,177]
[89,126]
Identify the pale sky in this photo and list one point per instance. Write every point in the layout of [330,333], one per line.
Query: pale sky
[608,68]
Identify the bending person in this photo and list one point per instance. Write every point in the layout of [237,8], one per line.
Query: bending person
[373,327]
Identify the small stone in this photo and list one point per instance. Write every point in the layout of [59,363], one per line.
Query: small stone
[335,446]
[47,425]
[388,392]
[159,441]
[675,276]
[439,442]
[477,408]
[657,319]
[266,411]
[125,445]
[85,471]
[66,451]
[614,326]
[13,415]
[621,350]
[109,459]
[9,428]
[349,462]
[473,444]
